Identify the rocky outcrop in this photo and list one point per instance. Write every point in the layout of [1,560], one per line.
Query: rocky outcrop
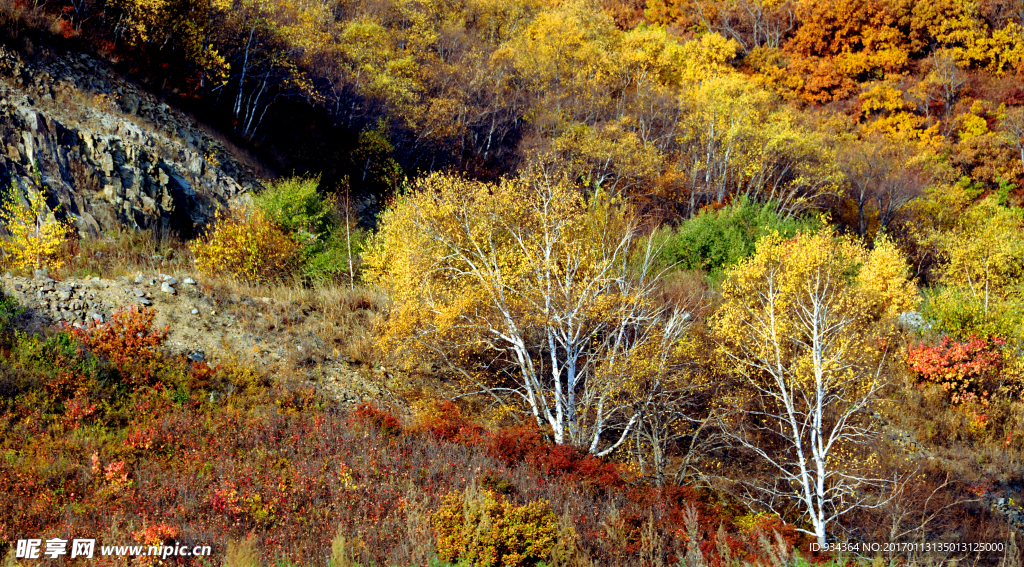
[1011,510]
[111,155]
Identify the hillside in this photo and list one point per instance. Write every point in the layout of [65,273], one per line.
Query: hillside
[513,282]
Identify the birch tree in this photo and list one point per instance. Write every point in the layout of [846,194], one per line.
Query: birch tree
[799,326]
[534,296]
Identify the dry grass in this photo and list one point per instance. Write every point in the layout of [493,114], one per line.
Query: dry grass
[950,432]
[242,553]
[296,327]
[687,290]
[126,252]
[319,323]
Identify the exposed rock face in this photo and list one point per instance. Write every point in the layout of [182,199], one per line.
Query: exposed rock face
[110,154]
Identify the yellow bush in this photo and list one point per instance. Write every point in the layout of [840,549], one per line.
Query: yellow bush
[480,527]
[34,235]
[245,245]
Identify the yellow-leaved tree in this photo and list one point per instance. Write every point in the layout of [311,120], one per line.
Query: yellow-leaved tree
[981,271]
[539,298]
[802,325]
[34,235]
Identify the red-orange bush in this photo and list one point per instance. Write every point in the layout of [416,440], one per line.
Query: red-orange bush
[445,421]
[378,418]
[959,366]
[127,339]
[512,445]
[576,465]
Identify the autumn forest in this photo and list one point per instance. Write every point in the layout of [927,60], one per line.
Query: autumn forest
[683,282]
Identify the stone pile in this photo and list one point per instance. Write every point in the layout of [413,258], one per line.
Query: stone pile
[78,301]
[202,325]
[71,302]
[1011,510]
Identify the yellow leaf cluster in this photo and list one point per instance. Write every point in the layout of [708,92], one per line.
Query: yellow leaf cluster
[34,236]
[983,260]
[884,278]
[244,244]
[774,294]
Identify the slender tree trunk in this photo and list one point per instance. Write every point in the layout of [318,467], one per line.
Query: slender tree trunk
[348,237]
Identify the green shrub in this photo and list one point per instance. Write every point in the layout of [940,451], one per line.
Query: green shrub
[296,206]
[9,309]
[480,527]
[328,258]
[712,241]
[959,314]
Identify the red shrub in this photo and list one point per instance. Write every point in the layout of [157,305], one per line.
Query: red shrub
[512,445]
[576,465]
[379,418]
[200,374]
[445,421]
[958,367]
[77,410]
[128,340]
[770,525]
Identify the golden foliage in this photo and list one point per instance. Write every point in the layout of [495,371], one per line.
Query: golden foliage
[522,287]
[480,527]
[35,236]
[799,323]
[864,286]
[885,280]
[981,271]
[244,244]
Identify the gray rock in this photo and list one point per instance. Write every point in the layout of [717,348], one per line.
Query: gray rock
[102,167]
[166,288]
[144,301]
[189,281]
[913,321]
[138,292]
[195,311]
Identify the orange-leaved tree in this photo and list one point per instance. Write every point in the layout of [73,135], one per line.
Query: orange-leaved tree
[536,296]
[802,325]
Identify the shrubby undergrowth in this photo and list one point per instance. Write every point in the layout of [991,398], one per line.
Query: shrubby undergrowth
[716,239]
[107,437]
[290,231]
